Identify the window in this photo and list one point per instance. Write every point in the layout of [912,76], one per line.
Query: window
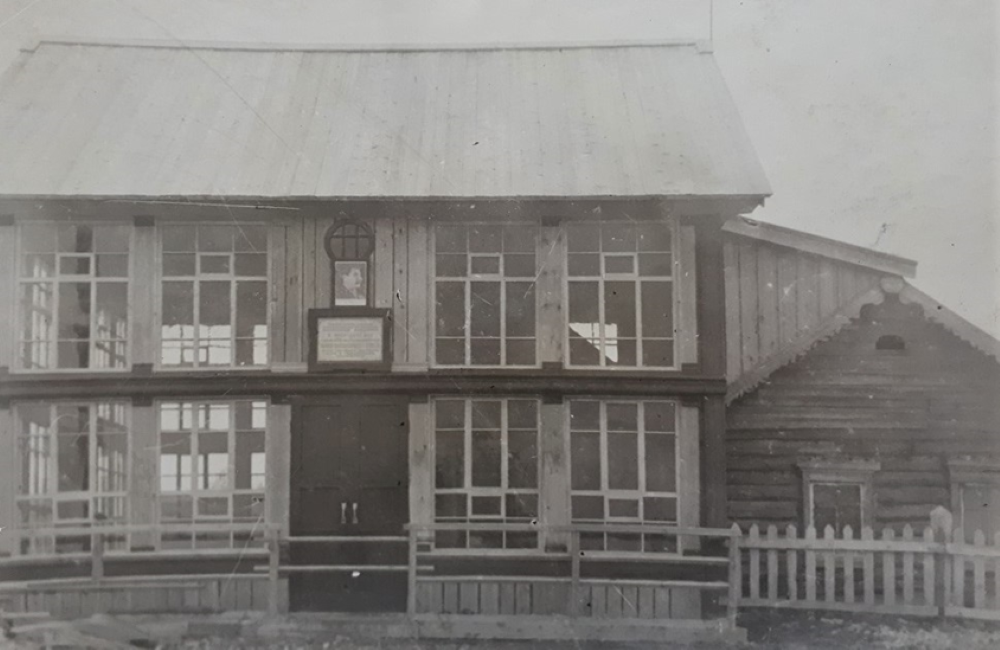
[838,493]
[73,469]
[485,295]
[211,467]
[624,461]
[486,468]
[621,297]
[214,296]
[975,494]
[73,296]
[890,342]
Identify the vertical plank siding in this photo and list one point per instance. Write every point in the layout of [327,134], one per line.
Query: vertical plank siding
[9,475]
[914,410]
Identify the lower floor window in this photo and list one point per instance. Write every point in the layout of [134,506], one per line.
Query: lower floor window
[624,467]
[837,494]
[211,468]
[73,471]
[486,469]
[975,496]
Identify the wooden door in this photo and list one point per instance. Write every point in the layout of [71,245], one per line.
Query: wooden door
[350,479]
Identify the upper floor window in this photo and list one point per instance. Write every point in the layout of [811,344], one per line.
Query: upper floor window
[211,466]
[73,296]
[621,295]
[486,468]
[214,295]
[73,469]
[484,295]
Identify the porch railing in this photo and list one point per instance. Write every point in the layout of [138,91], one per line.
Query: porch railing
[635,585]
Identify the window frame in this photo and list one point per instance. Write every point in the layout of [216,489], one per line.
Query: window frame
[17,360]
[640,492]
[197,279]
[636,279]
[466,282]
[839,472]
[963,473]
[52,495]
[169,527]
[470,491]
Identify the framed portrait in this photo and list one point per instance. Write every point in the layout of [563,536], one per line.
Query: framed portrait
[350,283]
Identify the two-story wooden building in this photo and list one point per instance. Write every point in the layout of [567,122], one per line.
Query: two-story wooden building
[329,294]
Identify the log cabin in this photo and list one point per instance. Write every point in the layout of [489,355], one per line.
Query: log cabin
[369,329]
[854,398]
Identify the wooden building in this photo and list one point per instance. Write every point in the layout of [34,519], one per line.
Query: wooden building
[854,398]
[353,300]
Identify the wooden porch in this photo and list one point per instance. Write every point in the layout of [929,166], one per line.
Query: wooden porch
[563,586]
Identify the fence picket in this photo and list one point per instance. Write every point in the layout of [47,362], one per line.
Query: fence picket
[793,565]
[908,567]
[754,564]
[848,568]
[958,570]
[868,563]
[929,568]
[829,568]
[979,572]
[811,567]
[888,570]
[772,565]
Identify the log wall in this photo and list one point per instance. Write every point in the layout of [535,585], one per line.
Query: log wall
[911,410]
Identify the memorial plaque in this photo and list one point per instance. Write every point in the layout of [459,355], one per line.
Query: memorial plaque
[348,338]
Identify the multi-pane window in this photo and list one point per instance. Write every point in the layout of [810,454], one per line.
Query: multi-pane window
[836,505]
[486,468]
[620,294]
[73,296]
[624,460]
[73,469]
[214,295]
[485,295]
[211,467]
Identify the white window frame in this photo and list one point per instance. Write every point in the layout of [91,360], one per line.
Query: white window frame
[194,492]
[640,492]
[55,280]
[197,279]
[839,472]
[637,279]
[467,281]
[503,490]
[50,493]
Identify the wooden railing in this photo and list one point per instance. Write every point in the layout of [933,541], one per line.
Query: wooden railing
[933,573]
[568,588]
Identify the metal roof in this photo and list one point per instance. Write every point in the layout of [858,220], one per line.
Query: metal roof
[128,119]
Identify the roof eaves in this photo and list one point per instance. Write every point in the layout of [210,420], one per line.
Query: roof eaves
[935,312]
[822,246]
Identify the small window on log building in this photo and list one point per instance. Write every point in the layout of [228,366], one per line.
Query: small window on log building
[890,342]
[975,496]
[838,493]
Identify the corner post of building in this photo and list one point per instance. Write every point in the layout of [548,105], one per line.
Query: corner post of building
[8,482]
[711,292]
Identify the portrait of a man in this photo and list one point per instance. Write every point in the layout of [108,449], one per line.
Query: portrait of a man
[351,284]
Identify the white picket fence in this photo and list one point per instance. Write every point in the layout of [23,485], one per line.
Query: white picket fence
[930,574]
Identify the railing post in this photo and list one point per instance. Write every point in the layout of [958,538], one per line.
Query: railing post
[574,560]
[735,576]
[273,564]
[411,573]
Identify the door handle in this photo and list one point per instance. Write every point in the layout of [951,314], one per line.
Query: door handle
[354,512]
[343,512]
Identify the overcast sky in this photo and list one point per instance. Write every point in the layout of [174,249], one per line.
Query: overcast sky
[875,120]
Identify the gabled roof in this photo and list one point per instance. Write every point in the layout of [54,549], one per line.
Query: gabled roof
[169,120]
